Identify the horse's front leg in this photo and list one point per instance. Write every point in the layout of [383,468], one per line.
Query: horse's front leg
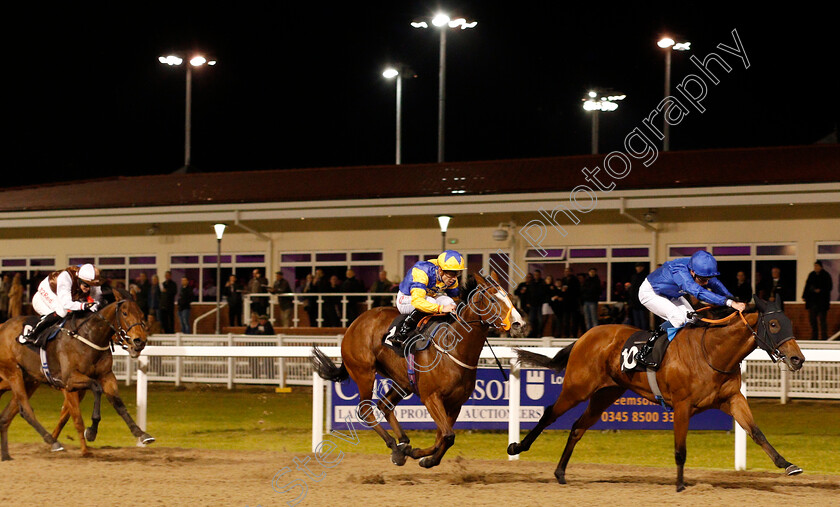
[109,387]
[682,414]
[71,400]
[738,408]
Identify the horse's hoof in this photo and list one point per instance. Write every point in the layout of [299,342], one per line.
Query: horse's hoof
[87,454]
[90,434]
[145,439]
[680,487]
[56,447]
[398,458]
[793,470]
[427,462]
[511,450]
[561,479]
[6,458]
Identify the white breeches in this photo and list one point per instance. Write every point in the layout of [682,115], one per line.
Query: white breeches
[45,302]
[403,302]
[673,310]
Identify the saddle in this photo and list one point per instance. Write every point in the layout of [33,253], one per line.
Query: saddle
[419,339]
[634,344]
[41,340]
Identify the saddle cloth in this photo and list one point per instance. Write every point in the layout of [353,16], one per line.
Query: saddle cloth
[38,342]
[634,344]
[420,338]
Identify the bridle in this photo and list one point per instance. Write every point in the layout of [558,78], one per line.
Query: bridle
[764,344]
[120,332]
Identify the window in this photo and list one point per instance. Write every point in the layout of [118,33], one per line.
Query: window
[119,270]
[296,265]
[829,255]
[200,270]
[32,271]
[759,262]
[615,265]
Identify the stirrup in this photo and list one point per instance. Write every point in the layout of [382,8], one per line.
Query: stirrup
[641,358]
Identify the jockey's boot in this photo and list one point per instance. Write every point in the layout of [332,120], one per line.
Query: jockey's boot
[408,325]
[642,356]
[34,335]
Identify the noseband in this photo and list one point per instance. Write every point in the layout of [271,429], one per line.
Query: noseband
[120,332]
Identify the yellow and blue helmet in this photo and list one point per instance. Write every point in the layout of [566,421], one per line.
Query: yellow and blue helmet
[450,260]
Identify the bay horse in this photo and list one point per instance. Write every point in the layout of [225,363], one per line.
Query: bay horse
[80,359]
[446,371]
[701,370]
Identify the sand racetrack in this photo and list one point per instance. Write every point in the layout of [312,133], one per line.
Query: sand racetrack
[194,477]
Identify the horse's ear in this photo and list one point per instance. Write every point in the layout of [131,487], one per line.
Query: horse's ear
[479,279]
[117,295]
[760,303]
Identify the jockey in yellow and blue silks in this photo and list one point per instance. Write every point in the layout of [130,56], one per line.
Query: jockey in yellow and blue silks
[429,287]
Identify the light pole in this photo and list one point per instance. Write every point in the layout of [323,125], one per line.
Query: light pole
[220,231]
[596,101]
[391,73]
[443,220]
[669,45]
[443,21]
[195,61]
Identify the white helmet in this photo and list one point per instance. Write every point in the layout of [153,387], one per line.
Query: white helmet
[88,274]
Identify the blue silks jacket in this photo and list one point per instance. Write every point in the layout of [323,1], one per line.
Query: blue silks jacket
[673,279]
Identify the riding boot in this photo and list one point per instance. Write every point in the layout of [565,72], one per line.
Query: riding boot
[642,356]
[33,336]
[406,327]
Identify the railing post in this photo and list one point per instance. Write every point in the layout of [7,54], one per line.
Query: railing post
[785,385]
[142,393]
[344,310]
[317,410]
[513,405]
[272,300]
[128,366]
[295,308]
[320,319]
[246,308]
[281,361]
[231,364]
[740,433]
[178,361]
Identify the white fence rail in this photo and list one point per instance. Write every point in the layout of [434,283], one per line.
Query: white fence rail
[232,353]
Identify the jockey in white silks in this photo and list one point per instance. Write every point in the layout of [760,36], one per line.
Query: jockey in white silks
[75,288]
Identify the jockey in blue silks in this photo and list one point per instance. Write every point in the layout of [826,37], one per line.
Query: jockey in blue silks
[663,292]
[428,287]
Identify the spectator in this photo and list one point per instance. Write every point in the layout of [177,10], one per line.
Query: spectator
[16,297]
[555,300]
[521,294]
[185,299]
[233,292]
[590,293]
[817,296]
[776,287]
[760,286]
[352,284]
[260,326]
[168,293]
[258,285]
[5,285]
[537,295]
[154,300]
[742,290]
[383,285]
[570,317]
[142,292]
[310,304]
[332,304]
[639,316]
[281,286]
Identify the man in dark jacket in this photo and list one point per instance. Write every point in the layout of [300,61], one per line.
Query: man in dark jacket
[817,296]
[143,288]
[742,289]
[537,295]
[570,307]
[590,294]
[352,284]
[233,292]
[168,293]
[638,313]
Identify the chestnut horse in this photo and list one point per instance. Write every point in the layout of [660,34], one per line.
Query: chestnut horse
[446,370]
[700,371]
[75,367]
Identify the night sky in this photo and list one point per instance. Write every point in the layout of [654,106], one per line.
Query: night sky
[299,84]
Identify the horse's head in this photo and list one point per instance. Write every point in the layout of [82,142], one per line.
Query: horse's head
[128,323]
[491,304]
[774,334]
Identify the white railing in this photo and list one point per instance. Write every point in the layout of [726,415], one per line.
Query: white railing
[300,299]
[318,385]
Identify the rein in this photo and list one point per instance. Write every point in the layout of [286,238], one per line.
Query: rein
[763,344]
[121,334]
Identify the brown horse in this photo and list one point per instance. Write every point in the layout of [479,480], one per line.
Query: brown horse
[79,359]
[445,371]
[699,372]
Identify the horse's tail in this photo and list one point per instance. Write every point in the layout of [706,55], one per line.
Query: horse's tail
[325,368]
[557,363]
